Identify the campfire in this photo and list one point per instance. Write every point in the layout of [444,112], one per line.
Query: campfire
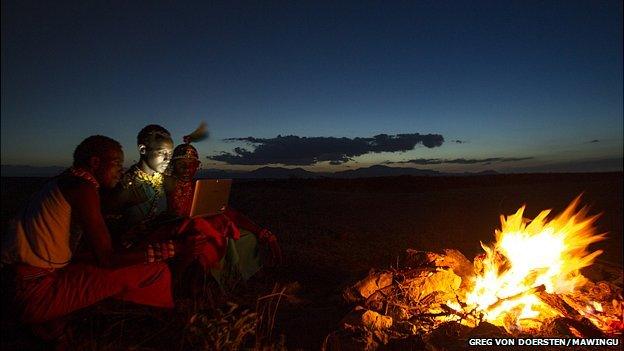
[527,283]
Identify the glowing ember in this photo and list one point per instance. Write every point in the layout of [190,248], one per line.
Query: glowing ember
[529,256]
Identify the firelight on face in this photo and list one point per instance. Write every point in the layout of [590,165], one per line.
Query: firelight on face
[158,154]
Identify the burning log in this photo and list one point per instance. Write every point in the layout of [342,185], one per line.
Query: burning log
[535,264]
[583,328]
[446,312]
[412,311]
[558,303]
[530,291]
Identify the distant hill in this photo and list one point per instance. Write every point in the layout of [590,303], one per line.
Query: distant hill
[30,171]
[219,173]
[384,171]
[486,172]
[285,173]
[263,172]
[260,173]
[279,172]
[586,166]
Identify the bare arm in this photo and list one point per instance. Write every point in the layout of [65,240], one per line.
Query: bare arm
[85,203]
[263,235]
[242,221]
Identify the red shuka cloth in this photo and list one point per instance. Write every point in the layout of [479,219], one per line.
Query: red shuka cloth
[216,229]
[43,296]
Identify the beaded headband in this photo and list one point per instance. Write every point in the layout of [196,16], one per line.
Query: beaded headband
[186,151]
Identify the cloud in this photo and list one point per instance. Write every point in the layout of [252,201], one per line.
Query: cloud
[463,161]
[294,150]
[594,141]
[459,141]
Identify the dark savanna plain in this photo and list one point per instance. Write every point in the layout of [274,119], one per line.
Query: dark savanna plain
[333,231]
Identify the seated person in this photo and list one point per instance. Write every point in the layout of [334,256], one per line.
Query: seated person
[139,198]
[139,204]
[51,281]
[241,258]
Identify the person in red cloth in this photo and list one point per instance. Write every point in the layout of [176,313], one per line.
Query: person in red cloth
[51,280]
[238,255]
[136,209]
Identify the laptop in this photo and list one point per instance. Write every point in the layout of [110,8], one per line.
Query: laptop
[211,197]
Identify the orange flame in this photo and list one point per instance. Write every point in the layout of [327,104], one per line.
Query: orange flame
[528,254]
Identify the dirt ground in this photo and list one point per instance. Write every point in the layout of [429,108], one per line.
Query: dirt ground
[333,231]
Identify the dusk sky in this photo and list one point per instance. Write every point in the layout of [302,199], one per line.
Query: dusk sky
[454,86]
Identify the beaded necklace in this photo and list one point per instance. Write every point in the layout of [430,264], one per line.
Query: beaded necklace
[155,181]
[84,174]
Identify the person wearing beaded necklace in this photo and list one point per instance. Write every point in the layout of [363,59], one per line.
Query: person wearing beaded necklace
[140,197]
[141,200]
[52,278]
[241,258]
